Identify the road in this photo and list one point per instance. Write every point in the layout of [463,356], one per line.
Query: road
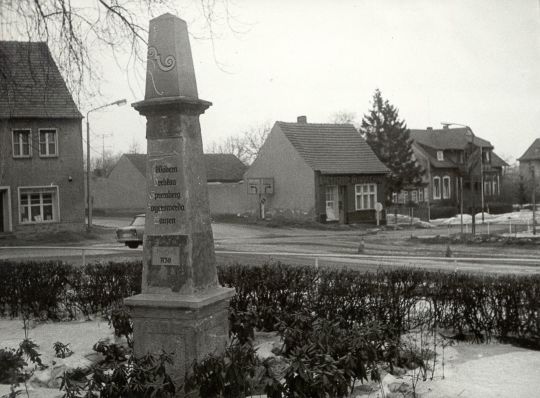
[269,244]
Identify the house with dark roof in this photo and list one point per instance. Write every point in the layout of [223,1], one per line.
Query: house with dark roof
[41,154]
[529,162]
[124,189]
[322,172]
[455,161]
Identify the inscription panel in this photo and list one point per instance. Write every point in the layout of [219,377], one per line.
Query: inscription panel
[166,255]
[166,191]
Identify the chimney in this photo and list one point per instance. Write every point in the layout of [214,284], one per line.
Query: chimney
[445,126]
[301,119]
[429,128]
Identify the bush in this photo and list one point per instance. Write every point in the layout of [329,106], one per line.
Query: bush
[500,208]
[401,300]
[442,212]
[68,289]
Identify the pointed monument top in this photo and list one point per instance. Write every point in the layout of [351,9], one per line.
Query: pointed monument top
[170,71]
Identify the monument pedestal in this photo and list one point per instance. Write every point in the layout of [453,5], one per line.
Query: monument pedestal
[191,326]
[182,309]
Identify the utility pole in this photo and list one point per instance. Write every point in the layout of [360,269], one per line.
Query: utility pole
[531,166]
[103,136]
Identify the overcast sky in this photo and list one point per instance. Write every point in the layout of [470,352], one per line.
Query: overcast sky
[469,62]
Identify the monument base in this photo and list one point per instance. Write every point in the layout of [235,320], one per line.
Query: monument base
[190,327]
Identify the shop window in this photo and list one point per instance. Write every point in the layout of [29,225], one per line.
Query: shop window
[38,204]
[366,196]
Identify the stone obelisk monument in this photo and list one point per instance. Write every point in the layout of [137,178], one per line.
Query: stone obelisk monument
[182,307]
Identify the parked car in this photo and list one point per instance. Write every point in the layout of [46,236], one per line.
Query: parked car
[132,235]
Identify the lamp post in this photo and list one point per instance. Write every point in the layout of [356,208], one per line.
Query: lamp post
[88,196]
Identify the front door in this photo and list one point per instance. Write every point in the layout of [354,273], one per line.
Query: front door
[5,216]
[343,204]
[331,195]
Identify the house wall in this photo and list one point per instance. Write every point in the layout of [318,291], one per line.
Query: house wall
[349,182]
[64,171]
[123,190]
[525,168]
[227,198]
[294,180]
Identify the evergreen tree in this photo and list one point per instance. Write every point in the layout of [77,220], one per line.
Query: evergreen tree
[389,138]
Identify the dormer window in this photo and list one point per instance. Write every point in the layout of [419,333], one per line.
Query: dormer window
[440,155]
[487,157]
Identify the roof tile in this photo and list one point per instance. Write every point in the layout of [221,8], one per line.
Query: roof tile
[220,167]
[333,148]
[31,84]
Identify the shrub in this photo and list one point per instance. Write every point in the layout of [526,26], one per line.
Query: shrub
[442,212]
[137,377]
[229,375]
[500,208]
[68,289]
[401,300]
[11,366]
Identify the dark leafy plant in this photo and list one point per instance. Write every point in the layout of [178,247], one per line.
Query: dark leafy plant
[113,353]
[11,366]
[62,350]
[120,319]
[28,348]
[229,375]
[143,377]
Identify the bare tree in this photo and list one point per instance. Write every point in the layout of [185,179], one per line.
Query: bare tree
[74,30]
[102,165]
[244,146]
[344,117]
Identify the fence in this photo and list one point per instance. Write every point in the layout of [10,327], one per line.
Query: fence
[491,264]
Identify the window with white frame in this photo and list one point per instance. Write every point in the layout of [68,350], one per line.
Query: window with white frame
[446,187]
[496,186]
[394,197]
[48,142]
[414,196]
[366,196]
[38,204]
[436,187]
[421,195]
[440,155]
[405,197]
[22,143]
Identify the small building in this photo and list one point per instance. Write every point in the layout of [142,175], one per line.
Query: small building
[529,162]
[124,189]
[456,161]
[41,155]
[322,172]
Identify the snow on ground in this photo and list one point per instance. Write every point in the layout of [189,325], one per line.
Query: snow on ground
[81,336]
[471,370]
[486,370]
[516,217]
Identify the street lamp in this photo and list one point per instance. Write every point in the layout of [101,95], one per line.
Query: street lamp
[88,197]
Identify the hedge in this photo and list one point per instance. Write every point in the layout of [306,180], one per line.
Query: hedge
[469,304]
[55,290]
